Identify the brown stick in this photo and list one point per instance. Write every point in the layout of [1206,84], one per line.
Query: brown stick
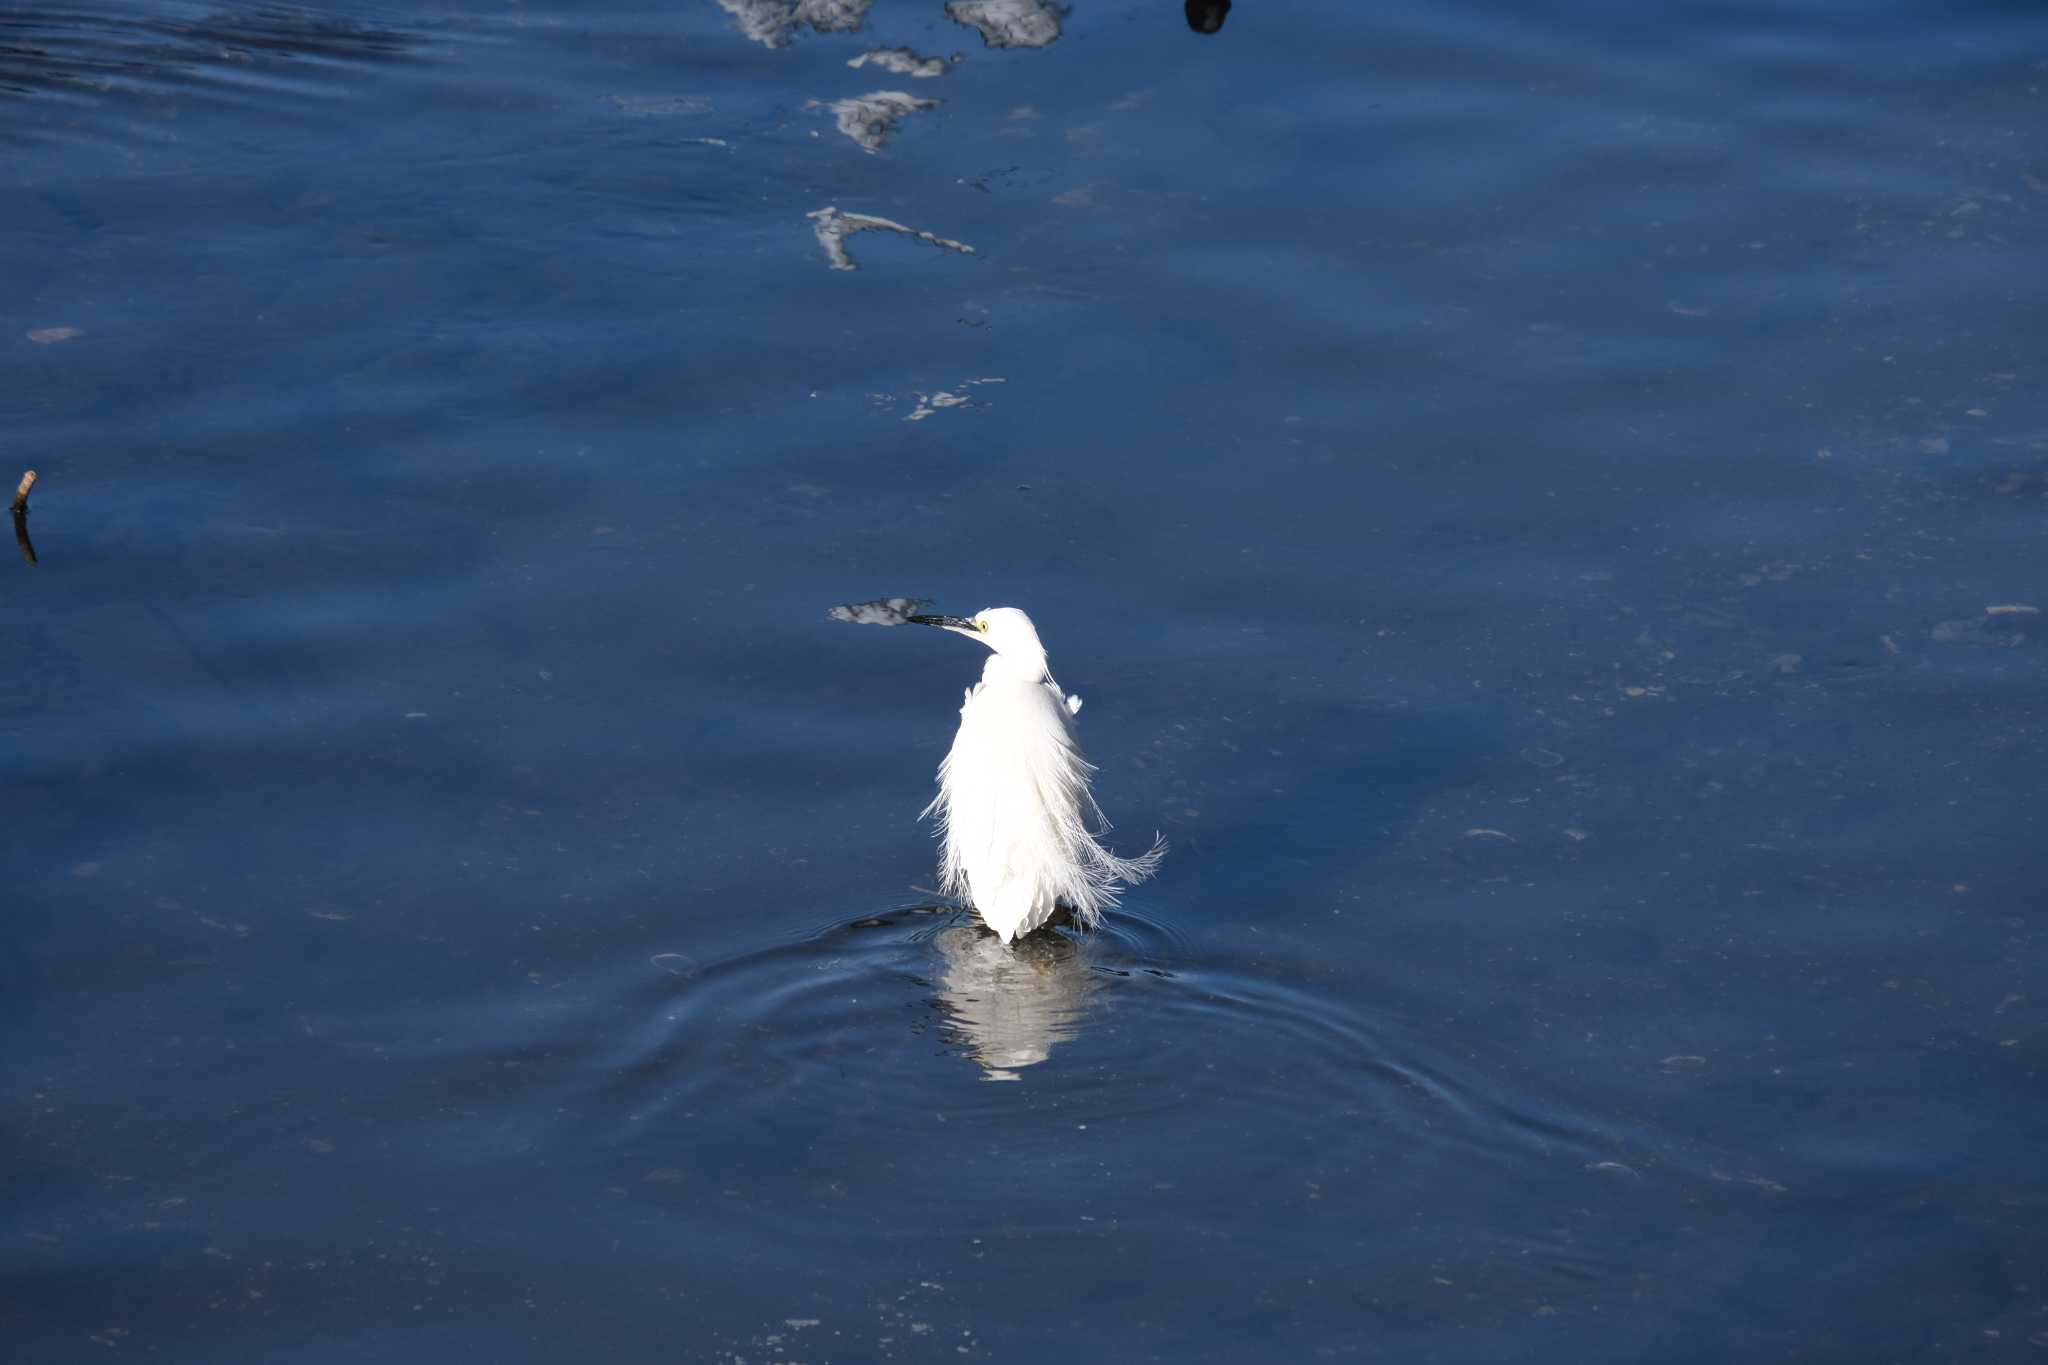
[28,481]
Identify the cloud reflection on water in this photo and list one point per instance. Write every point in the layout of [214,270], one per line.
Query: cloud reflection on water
[834,227]
[871,119]
[773,23]
[1008,23]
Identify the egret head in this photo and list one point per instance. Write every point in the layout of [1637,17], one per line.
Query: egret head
[1005,630]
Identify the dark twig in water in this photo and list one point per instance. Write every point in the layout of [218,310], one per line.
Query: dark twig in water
[20,510]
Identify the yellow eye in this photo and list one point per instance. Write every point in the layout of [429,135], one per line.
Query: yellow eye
[981,625]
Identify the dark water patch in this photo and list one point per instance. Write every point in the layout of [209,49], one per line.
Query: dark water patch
[150,58]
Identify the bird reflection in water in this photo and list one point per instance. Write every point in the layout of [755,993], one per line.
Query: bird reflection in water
[1206,16]
[1009,1004]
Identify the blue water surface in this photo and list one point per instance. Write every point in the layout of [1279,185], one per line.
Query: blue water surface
[1544,505]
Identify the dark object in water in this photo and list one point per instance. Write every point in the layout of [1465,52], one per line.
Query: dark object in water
[1206,16]
[20,511]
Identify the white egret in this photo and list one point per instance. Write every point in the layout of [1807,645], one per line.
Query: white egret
[1013,802]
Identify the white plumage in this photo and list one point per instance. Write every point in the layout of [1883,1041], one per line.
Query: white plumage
[1013,803]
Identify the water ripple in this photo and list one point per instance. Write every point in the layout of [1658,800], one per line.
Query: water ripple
[84,49]
[1126,1024]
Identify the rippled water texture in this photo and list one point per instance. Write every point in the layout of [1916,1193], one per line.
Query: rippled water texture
[1545,508]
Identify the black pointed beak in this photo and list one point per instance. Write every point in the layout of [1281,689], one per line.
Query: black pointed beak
[945,622]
